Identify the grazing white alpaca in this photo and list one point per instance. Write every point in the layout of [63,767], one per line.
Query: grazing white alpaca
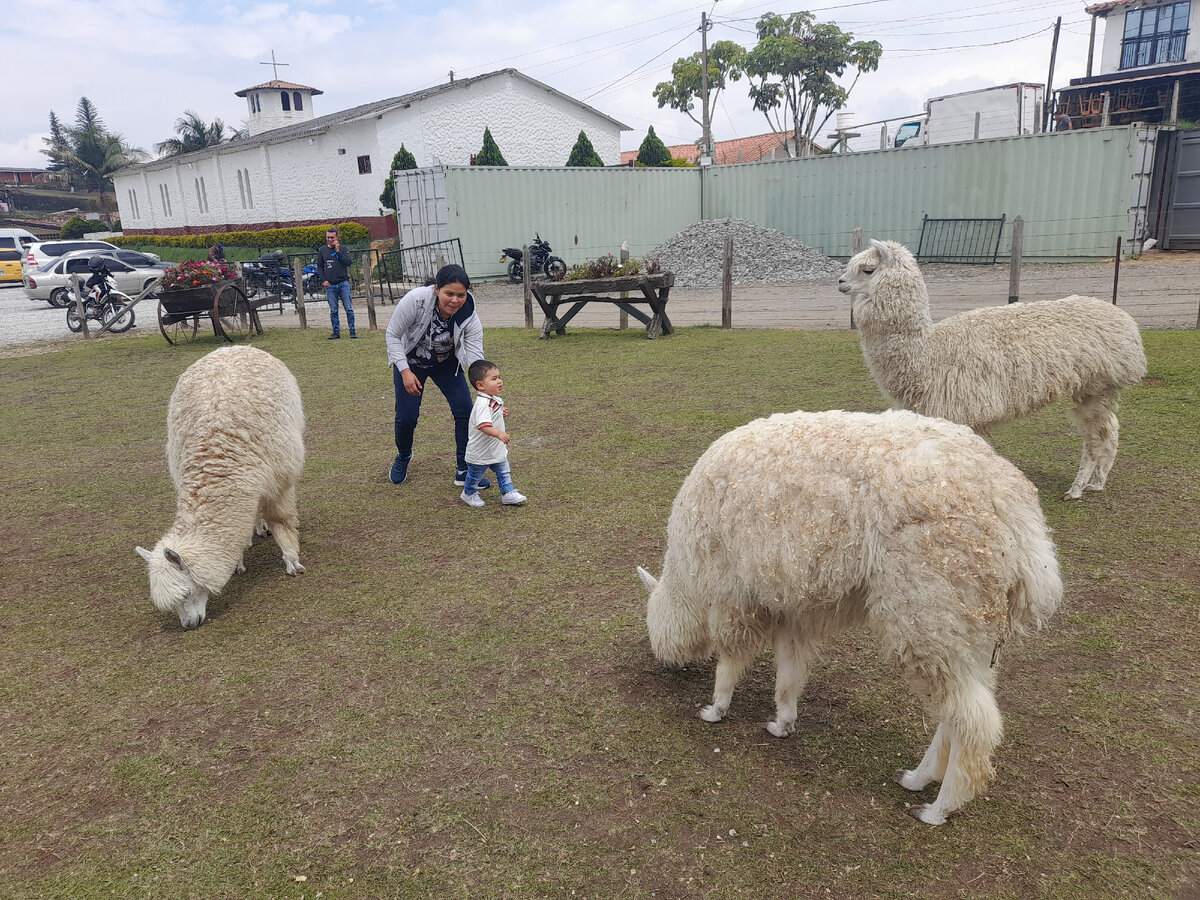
[992,365]
[797,526]
[235,450]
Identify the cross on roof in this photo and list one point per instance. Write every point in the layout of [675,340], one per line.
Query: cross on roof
[274,65]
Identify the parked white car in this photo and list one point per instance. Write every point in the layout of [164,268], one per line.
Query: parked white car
[50,281]
[40,253]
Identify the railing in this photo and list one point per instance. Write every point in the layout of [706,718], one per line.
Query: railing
[413,266]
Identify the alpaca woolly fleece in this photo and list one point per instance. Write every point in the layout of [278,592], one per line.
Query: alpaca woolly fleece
[797,526]
[992,365]
[235,451]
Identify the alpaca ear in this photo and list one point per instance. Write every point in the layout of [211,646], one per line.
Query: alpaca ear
[882,249]
[174,559]
[144,553]
[647,579]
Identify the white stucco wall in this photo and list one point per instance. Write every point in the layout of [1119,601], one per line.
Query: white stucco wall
[532,126]
[306,178]
[1114,32]
[272,114]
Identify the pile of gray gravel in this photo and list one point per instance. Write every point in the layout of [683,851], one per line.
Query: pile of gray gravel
[760,255]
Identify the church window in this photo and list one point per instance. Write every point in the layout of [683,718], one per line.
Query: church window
[297,101]
[286,101]
[364,165]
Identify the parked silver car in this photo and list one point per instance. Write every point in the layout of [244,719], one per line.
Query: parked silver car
[40,253]
[50,282]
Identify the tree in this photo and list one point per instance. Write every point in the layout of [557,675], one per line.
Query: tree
[401,161]
[726,61]
[490,155]
[653,151]
[193,134]
[583,153]
[89,152]
[57,141]
[792,70]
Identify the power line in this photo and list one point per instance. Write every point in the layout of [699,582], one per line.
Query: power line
[616,81]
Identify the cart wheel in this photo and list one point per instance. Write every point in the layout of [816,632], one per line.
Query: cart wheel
[177,330]
[232,316]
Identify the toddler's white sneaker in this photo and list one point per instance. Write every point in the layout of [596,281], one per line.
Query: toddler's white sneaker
[512,498]
[474,499]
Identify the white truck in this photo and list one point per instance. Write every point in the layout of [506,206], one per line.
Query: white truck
[1008,109]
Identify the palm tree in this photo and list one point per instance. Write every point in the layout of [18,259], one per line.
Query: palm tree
[89,151]
[194,134]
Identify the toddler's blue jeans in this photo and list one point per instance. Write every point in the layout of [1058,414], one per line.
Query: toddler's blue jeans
[475,472]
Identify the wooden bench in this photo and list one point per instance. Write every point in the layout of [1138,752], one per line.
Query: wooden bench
[655,290]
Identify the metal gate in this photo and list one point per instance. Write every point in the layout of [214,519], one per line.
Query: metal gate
[968,241]
[1183,209]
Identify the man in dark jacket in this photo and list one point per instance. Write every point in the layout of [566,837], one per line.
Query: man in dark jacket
[333,263]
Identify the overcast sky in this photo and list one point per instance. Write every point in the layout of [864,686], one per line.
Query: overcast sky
[143,62]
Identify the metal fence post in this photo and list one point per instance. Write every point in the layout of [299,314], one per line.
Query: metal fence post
[1014,267]
[1117,270]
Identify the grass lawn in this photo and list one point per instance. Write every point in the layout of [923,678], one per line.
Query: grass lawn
[462,703]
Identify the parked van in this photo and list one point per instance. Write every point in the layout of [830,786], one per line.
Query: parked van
[16,238]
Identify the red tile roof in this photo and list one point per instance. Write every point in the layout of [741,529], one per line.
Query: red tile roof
[747,149]
[1107,6]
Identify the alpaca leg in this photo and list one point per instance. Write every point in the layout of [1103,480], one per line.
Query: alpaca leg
[932,766]
[730,666]
[972,721]
[791,673]
[1098,423]
[283,521]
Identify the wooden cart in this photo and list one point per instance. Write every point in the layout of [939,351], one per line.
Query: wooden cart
[233,316]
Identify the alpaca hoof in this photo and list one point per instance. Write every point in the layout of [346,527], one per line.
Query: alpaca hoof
[780,729]
[711,714]
[928,814]
[908,780]
[241,567]
[262,529]
[294,568]
[1073,494]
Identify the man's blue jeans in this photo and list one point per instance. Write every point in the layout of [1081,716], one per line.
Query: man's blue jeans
[334,294]
[453,384]
[476,471]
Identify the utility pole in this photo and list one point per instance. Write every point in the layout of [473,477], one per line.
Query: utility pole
[707,149]
[1048,105]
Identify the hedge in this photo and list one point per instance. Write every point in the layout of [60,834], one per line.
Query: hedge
[308,236]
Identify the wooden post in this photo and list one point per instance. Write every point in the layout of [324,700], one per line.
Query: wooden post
[1106,109]
[1014,268]
[856,245]
[727,286]
[525,280]
[1117,270]
[368,274]
[298,280]
[978,116]
[1175,103]
[79,307]
[623,319]
[883,136]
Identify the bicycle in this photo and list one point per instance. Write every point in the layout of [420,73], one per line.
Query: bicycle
[104,301]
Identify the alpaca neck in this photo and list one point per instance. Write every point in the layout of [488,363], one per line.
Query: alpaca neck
[895,329]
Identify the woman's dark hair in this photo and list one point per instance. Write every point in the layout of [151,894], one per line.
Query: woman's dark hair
[452,274]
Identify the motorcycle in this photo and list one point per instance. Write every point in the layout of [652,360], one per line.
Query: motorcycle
[543,262]
[101,302]
[313,283]
[271,275]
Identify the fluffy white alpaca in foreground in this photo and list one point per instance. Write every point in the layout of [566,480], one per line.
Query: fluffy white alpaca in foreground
[235,450]
[992,365]
[794,527]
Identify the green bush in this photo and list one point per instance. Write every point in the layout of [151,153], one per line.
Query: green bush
[307,236]
[490,155]
[653,151]
[583,153]
[77,228]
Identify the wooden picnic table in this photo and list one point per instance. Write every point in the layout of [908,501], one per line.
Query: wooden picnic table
[654,290]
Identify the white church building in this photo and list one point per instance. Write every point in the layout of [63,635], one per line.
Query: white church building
[296,168]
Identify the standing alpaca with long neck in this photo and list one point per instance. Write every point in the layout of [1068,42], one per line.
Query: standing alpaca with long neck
[992,365]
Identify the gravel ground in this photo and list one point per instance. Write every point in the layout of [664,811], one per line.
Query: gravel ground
[1157,290]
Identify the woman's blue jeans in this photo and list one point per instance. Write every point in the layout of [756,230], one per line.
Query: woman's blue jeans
[453,384]
[476,471]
